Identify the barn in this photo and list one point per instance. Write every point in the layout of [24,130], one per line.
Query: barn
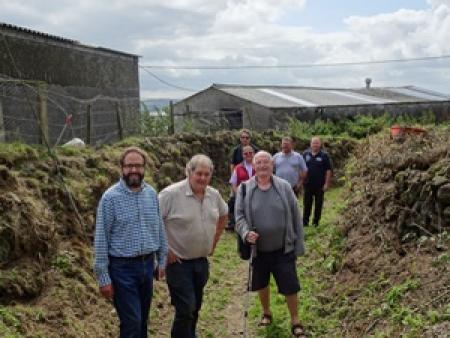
[224,106]
[53,89]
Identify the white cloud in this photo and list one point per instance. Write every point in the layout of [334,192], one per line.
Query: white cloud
[243,32]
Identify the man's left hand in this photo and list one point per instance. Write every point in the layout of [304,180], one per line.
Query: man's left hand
[298,189]
[212,250]
[325,187]
[161,273]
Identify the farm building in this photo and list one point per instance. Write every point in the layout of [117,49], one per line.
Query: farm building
[73,90]
[263,107]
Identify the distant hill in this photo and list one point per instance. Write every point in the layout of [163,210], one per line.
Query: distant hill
[154,104]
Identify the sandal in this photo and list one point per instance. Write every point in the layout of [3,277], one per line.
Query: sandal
[266,320]
[298,331]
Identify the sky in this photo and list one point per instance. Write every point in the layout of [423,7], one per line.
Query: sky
[216,33]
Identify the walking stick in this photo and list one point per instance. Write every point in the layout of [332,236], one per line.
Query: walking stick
[249,288]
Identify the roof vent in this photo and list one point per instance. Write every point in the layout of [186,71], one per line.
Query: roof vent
[368,82]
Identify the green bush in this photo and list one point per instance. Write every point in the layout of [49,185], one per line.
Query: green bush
[358,126]
[155,123]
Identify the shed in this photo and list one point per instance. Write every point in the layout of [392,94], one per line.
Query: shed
[73,89]
[226,106]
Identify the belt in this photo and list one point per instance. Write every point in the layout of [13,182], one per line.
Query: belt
[145,257]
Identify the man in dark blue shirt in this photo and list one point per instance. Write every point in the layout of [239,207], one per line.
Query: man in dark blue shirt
[317,182]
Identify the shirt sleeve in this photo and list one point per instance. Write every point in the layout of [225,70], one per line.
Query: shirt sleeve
[233,179]
[104,220]
[223,206]
[302,163]
[164,203]
[328,163]
[242,227]
[163,245]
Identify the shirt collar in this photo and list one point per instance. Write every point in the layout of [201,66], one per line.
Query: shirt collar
[127,189]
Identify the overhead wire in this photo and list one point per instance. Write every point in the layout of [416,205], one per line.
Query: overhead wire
[287,66]
[291,66]
[167,83]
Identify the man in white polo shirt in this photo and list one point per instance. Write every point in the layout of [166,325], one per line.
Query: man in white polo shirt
[290,165]
[194,215]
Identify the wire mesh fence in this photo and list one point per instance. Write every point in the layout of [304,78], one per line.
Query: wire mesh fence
[208,121]
[36,112]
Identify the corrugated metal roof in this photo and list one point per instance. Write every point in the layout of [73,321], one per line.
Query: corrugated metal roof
[291,96]
[23,30]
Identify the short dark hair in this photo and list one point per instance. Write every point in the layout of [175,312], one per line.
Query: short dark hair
[245,131]
[136,150]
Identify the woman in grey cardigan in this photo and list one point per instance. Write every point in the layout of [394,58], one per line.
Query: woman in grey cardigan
[268,216]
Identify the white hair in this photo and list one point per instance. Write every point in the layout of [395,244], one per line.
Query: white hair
[262,153]
[199,160]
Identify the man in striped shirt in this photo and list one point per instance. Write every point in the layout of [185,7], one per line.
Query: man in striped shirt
[129,236]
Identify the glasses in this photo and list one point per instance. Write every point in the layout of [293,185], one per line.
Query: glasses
[248,153]
[133,165]
[245,137]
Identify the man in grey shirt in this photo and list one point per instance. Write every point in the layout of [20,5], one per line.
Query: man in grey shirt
[268,216]
[290,165]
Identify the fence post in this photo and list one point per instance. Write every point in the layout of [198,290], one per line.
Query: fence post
[2,124]
[119,121]
[248,114]
[43,112]
[89,124]
[172,119]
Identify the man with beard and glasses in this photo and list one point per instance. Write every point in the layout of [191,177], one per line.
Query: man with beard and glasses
[129,237]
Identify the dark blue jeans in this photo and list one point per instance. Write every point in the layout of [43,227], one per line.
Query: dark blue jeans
[132,280]
[186,281]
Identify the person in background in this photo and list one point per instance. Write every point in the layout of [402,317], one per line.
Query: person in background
[237,158]
[129,236]
[241,173]
[320,170]
[268,217]
[290,165]
[244,140]
[195,216]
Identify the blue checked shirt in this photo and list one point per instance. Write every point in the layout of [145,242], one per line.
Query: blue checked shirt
[128,224]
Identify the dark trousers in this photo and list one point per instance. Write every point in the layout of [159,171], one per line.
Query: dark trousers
[310,196]
[132,280]
[231,204]
[186,281]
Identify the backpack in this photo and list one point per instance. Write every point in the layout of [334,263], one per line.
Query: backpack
[243,247]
